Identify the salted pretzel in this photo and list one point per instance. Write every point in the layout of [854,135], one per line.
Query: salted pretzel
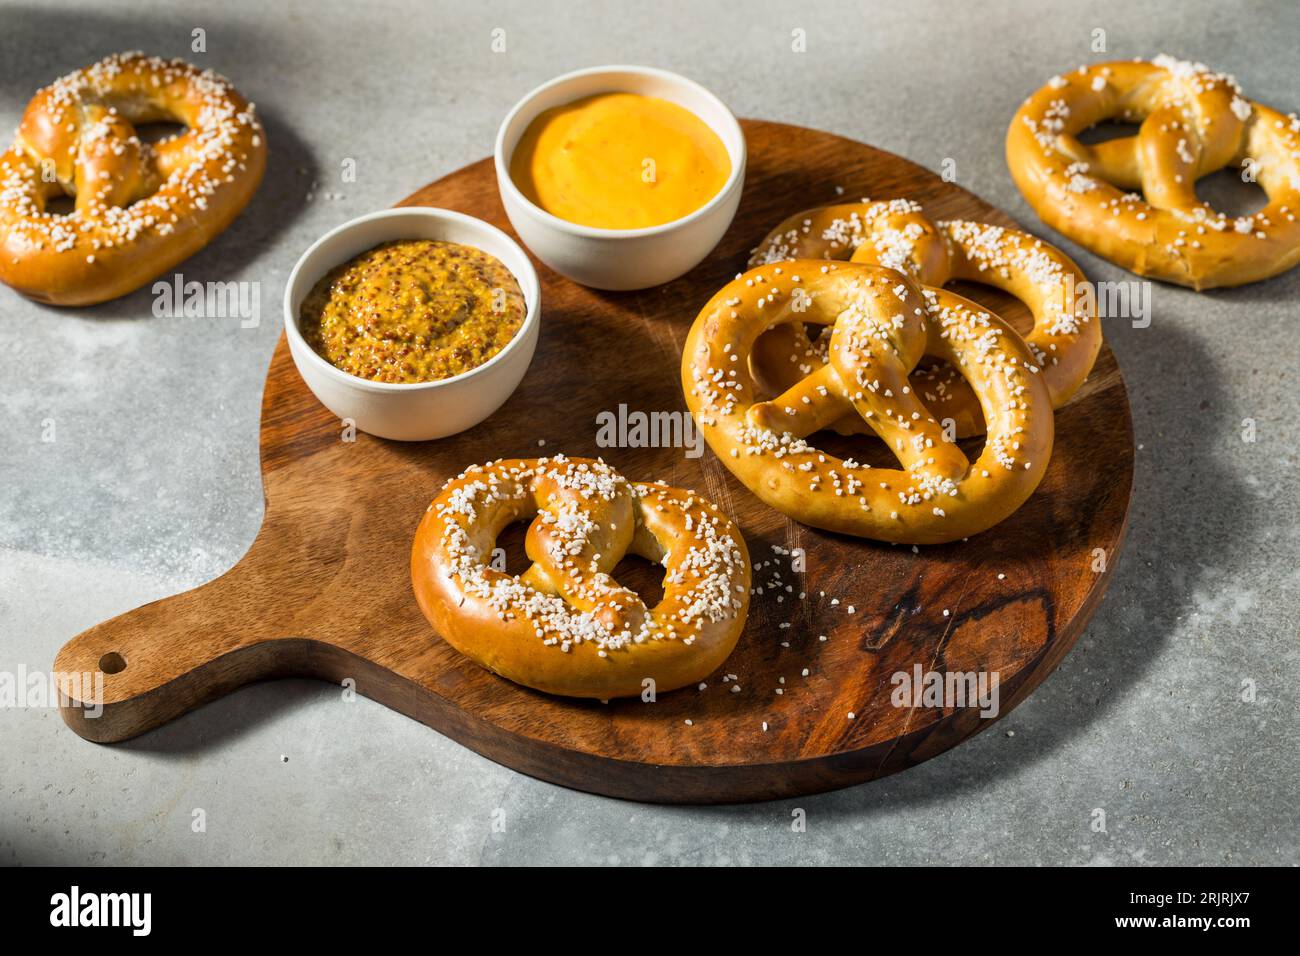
[565,626]
[1193,122]
[140,208]
[897,234]
[883,324]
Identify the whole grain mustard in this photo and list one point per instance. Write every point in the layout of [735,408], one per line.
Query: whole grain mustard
[413,310]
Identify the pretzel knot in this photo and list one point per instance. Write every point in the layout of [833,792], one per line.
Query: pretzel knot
[565,625]
[1193,122]
[882,325]
[140,207]
[897,234]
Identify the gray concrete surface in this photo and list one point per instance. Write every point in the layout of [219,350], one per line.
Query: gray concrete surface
[152,485]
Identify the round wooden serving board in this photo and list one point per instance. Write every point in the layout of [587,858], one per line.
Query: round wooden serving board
[325,589]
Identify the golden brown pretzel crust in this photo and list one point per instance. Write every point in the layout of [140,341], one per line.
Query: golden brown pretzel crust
[1193,122]
[566,626]
[140,208]
[897,234]
[883,324]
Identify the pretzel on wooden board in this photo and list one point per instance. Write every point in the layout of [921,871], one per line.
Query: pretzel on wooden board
[1133,199]
[897,234]
[140,208]
[883,324]
[565,626]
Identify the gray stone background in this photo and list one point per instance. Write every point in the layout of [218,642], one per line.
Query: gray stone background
[152,485]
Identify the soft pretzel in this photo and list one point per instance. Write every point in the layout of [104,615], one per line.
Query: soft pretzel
[897,234]
[140,208]
[566,626]
[1193,122]
[883,324]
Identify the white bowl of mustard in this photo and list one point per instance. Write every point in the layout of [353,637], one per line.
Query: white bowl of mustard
[595,231]
[420,410]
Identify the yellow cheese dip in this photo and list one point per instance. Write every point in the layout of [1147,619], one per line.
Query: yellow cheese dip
[414,310]
[619,161]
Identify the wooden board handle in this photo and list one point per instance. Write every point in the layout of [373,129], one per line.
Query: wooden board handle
[142,668]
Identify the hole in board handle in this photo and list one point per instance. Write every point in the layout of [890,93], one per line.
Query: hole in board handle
[112,663]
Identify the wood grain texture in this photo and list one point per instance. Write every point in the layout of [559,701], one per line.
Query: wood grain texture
[325,589]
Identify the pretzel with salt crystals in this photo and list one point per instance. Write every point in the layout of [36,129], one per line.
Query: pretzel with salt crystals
[565,626]
[883,324]
[140,208]
[1193,122]
[897,234]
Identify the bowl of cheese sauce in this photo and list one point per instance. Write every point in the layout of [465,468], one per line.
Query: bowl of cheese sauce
[620,177]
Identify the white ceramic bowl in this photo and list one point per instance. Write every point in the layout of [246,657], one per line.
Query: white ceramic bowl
[621,258]
[422,410]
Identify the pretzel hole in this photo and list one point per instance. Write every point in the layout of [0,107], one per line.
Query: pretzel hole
[1227,193]
[865,449]
[61,204]
[641,575]
[510,543]
[1107,130]
[156,132]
